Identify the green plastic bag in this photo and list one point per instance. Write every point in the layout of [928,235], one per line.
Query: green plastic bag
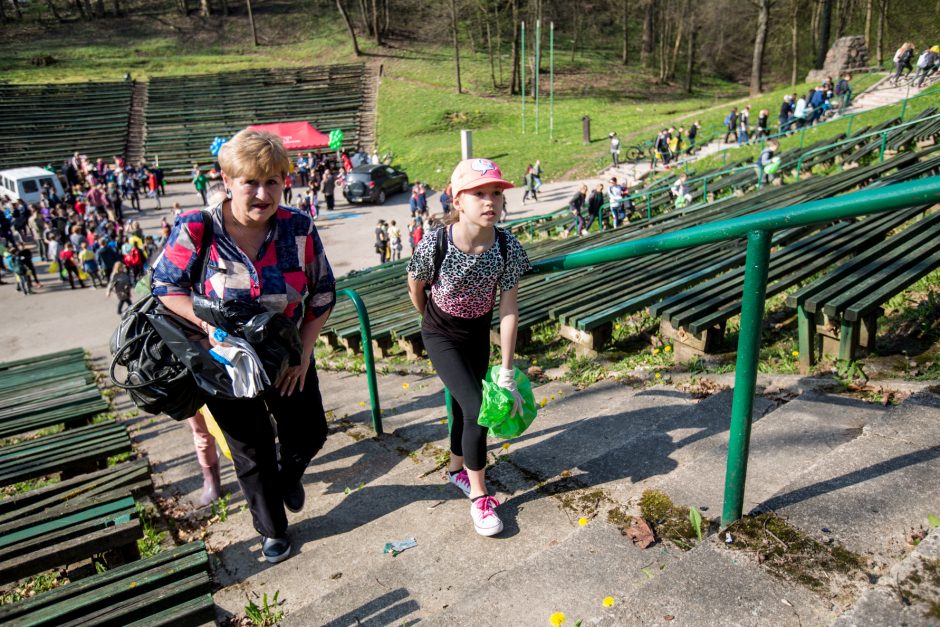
[497,406]
[773,166]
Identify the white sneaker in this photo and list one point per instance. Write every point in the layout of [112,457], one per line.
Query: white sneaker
[461,480]
[485,519]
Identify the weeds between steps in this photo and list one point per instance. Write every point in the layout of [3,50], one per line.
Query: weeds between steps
[791,554]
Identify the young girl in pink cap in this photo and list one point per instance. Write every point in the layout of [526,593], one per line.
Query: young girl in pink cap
[465,263]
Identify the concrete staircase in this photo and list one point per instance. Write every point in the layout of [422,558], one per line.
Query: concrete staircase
[137,123]
[368,116]
[842,470]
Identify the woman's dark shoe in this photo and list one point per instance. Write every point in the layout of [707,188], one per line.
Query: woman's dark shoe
[294,499]
[275,549]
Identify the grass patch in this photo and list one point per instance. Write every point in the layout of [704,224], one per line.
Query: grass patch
[114,460]
[27,485]
[791,554]
[33,586]
[152,542]
[671,522]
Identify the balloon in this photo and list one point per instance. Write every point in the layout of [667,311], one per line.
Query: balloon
[336,139]
[216,145]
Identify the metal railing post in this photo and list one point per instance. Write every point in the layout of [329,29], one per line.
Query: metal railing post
[848,129]
[745,380]
[366,332]
[705,189]
[449,404]
[884,144]
[802,136]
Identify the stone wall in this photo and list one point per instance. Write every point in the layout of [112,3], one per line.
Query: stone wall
[846,54]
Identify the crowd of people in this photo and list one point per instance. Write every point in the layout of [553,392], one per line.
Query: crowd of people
[84,233]
[928,63]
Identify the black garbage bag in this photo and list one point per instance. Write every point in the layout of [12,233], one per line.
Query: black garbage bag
[191,347]
[273,336]
[156,380]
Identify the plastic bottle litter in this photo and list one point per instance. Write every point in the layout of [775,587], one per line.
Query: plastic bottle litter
[397,547]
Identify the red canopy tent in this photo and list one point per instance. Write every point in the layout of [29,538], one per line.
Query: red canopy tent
[296,135]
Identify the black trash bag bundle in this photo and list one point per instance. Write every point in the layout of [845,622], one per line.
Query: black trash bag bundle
[191,348]
[156,381]
[273,336]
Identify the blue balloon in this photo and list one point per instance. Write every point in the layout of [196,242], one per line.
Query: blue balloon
[216,145]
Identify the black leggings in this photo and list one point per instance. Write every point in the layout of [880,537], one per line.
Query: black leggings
[461,363]
[266,470]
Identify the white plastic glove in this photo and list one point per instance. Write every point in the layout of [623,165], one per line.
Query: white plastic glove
[507,381]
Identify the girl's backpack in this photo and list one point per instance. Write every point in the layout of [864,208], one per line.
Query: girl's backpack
[133,258]
[924,60]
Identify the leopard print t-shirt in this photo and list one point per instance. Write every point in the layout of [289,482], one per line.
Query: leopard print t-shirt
[466,285]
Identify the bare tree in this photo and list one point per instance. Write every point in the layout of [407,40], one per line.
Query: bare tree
[205,7]
[625,57]
[453,30]
[760,43]
[349,27]
[794,43]
[514,83]
[376,32]
[882,27]
[648,43]
[251,22]
[868,7]
[690,61]
[825,24]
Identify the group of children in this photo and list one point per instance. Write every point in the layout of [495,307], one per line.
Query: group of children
[586,207]
[928,63]
[669,144]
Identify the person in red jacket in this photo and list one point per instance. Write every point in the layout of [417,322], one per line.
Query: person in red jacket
[153,187]
[69,265]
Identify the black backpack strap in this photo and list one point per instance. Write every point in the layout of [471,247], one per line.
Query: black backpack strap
[503,241]
[202,258]
[440,251]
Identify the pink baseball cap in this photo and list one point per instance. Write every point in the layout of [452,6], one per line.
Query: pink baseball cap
[474,173]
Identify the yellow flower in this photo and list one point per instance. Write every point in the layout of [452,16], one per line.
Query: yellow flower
[608,601]
[659,375]
[443,421]
[666,349]
[552,397]
[582,521]
[543,402]
[557,618]
[617,327]
[795,353]
[535,361]
[655,351]
[362,403]
[405,385]
[505,446]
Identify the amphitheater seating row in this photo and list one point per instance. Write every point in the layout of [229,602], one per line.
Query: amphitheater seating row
[42,124]
[184,115]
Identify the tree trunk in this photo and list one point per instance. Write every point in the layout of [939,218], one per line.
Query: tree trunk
[52,8]
[648,44]
[882,23]
[663,59]
[3,14]
[690,62]
[760,41]
[814,29]
[251,22]
[225,8]
[825,23]
[364,18]
[671,71]
[375,24]
[489,50]
[118,12]
[514,87]
[794,44]
[182,7]
[499,42]
[576,41]
[625,57]
[205,7]
[453,30]
[868,6]
[386,17]
[349,27]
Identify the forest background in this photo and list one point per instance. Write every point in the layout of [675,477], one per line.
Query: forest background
[631,65]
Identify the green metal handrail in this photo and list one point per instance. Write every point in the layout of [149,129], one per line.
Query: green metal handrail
[883,134]
[366,332]
[758,229]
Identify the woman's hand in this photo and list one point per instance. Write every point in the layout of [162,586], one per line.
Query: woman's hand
[294,377]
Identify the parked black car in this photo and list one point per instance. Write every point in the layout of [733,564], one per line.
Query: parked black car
[374,183]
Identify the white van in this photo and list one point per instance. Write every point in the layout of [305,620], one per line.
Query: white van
[27,183]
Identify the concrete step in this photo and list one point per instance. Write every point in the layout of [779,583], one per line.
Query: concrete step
[869,492]
[574,577]
[908,595]
[715,585]
[785,441]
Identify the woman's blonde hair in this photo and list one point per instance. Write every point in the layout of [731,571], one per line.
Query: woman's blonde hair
[254,155]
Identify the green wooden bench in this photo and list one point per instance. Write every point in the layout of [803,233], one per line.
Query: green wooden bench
[170,588]
[68,452]
[69,403]
[838,313]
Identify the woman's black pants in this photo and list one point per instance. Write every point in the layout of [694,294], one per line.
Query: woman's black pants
[267,470]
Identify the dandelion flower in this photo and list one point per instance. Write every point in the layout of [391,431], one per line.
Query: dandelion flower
[557,618]
[551,397]
[582,521]
[795,353]
[655,351]
[543,402]
[362,403]
[659,375]
[405,385]
[608,601]
[666,349]
[535,361]
[617,327]
[443,421]
[505,446]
